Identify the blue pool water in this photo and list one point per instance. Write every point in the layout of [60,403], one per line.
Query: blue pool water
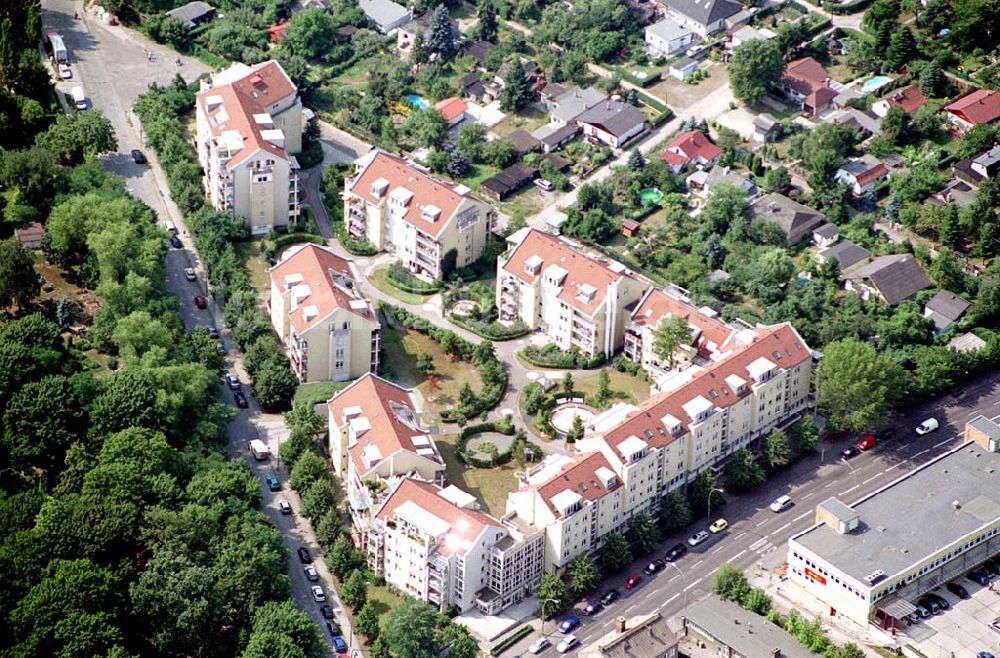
[873,83]
[416,101]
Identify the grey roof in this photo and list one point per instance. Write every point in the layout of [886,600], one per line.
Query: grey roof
[956,192]
[704,11]
[747,633]
[860,165]
[846,94]
[552,135]
[765,122]
[987,158]
[523,141]
[575,102]
[794,219]
[614,117]
[192,11]
[668,29]
[747,33]
[967,342]
[913,517]
[647,637]
[720,174]
[947,304]
[509,180]
[896,277]
[383,12]
[986,426]
[847,254]
[827,231]
[684,63]
[851,116]
[553,89]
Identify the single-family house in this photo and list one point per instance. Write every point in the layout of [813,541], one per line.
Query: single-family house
[613,122]
[826,235]
[764,127]
[892,278]
[726,176]
[976,169]
[532,71]
[847,254]
[966,343]
[704,17]
[795,220]
[683,68]
[955,193]
[523,141]
[193,13]
[475,89]
[690,148]
[980,107]
[30,235]
[944,309]
[478,50]
[550,92]
[667,37]
[865,123]
[553,136]
[862,174]
[807,83]
[507,181]
[909,98]
[747,33]
[419,24]
[386,15]
[452,109]
[572,103]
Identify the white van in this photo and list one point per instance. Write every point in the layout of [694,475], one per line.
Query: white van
[79,98]
[169,225]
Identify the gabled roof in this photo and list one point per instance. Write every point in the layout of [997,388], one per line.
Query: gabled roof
[192,11]
[947,304]
[712,334]
[808,77]
[578,476]
[389,422]
[794,219]
[689,146]
[613,117]
[704,12]
[897,277]
[667,30]
[451,108]
[574,102]
[581,269]
[908,98]
[383,13]
[846,253]
[318,279]
[981,106]
[523,141]
[400,175]
[865,169]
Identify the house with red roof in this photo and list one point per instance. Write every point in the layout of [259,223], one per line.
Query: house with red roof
[331,332]
[909,99]
[577,298]
[423,221]
[435,544]
[690,148]
[807,83]
[861,175]
[980,107]
[276,33]
[248,129]
[452,109]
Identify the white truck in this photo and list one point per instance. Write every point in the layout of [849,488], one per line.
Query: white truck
[259,450]
[59,52]
[79,98]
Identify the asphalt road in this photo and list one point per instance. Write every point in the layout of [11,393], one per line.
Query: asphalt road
[756,535]
[110,63]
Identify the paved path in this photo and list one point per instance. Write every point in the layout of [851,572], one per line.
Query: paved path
[851,21]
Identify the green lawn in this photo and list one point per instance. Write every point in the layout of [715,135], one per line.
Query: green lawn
[254,264]
[526,202]
[624,387]
[489,485]
[313,394]
[529,119]
[379,280]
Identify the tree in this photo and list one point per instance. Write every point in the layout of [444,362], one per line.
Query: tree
[933,83]
[343,559]
[757,601]
[427,127]
[308,468]
[72,136]
[551,595]
[725,204]
[458,166]
[275,386]
[129,400]
[516,92]
[471,139]
[902,47]
[804,435]
[603,385]
[409,630]
[318,498]
[754,69]
[896,125]
[576,432]
[776,180]
[567,383]
[730,583]
[670,334]
[742,470]
[706,494]
[583,575]
[281,619]
[642,534]
[311,32]
[675,512]
[41,420]
[440,34]
[777,450]
[19,282]
[354,591]
[499,152]
[616,553]
[856,385]
[425,362]
[366,622]
[486,28]
[635,160]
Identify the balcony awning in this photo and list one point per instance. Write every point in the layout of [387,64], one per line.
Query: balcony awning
[895,607]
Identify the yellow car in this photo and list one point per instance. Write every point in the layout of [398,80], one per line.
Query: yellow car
[718,526]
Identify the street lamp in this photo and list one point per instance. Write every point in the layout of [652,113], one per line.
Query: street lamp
[556,601]
[685,579]
[710,492]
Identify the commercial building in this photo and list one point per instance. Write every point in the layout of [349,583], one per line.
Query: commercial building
[330,331]
[869,560]
[730,631]
[248,128]
[576,298]
[435,545]
[643,636]
[426,223]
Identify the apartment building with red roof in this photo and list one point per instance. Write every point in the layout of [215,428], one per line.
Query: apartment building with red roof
[330,330]
[578,299]
[807,83]
[248,128]
[421,220]
[436,545]
[979,107]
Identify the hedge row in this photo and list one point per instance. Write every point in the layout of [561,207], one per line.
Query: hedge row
[550,356]
[648,81]
[401,278]
[503,426]
[848,7]
[661,118]
[491,330]
[283,241]
[504,644]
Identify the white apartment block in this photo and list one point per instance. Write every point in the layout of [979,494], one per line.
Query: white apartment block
[403,211]
[634,454]
[249,125]
[376,438]
[577,299]
[435,545]
[330,331]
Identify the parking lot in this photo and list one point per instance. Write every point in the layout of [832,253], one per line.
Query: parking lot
[964,629]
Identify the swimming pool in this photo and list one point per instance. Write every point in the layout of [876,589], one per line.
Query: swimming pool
[417,102]
[875,82]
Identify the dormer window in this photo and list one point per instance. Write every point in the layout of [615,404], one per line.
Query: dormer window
[586,293]
[379,188]
[533,265]
[430,213]
[401,197]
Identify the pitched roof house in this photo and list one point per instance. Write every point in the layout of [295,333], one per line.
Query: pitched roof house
[807,82]
[795,220]
[704,17]
[667,37]
[452,109]
[945,308]
[892,279]
[847,254]
[862,174]
[980,107]
[612,122]
[387,15]
[690,148]
[909,98]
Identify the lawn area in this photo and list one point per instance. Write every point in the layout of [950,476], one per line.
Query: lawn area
[379,280]
[530,119]
[254,264]
[526,202]
[316,392]
[400,348]
[383,599]
[489,485]
[55,286]
[624,387]
[480,172]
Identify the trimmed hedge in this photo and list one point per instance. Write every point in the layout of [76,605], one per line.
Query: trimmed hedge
[550,356]
[293,238]
[491,330]
[506,643]
[662,118]
[849,7]
[499,427]
[401,278]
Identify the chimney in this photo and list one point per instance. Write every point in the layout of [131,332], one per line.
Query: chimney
[619,625]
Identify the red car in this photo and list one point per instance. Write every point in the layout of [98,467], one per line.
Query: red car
[633,581]
[200,301]
[866,442]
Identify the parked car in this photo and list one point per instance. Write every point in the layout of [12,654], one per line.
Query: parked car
[327,613]
[718,526]
[886,434]
[220,348]
[273,483]
[675,553]
[65,72]
[200,302]
[189,273]
[305,557]
[568,624]
[979,576]
[339,645]
[913,618]
[867,442]
[957,590]
[539,645]
[610,597]
[940,600]
[927,426]
[175,242]
[654,566]
[923,610]
[240,400]
[232,381]
[331,626]
[850,452]
[567,643]
[213,333]
[992,566]
[138,157]
[318,595]
[310,572]
[995,624]
[285,507]
[592,608]
[930,604]
[984,654]
[698,538]
[781,504]
[633,581]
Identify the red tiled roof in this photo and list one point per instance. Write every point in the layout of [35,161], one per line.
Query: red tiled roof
[656,304]
[808,77]
[688,146]
[580,268]
[277,32]
[450,108]
[908,98]
[376,397]
[875,173]
[981,106]
[32,232]
[316,265]
[581,471]
[646,424]
[426,190]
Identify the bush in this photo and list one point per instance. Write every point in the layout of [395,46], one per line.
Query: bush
[406,281]
[501,427]
[283,241]
[550,356]
[509,641]
[491,330]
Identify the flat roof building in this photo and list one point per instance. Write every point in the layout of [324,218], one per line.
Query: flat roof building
[869,560]
[731,631]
